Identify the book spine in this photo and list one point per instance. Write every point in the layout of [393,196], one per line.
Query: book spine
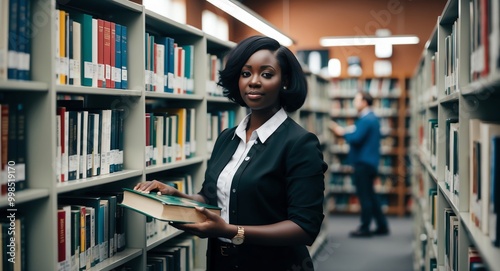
[112,55]
[12,63]
[118,56]
[101,82]
[124,61]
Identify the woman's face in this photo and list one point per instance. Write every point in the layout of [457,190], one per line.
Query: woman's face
[260,81]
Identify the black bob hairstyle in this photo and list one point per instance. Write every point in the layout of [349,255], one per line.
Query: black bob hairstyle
[291,98]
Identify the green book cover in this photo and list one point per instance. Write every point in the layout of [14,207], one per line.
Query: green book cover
[85,21]
[165,207]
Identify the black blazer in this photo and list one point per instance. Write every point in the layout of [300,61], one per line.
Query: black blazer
[280,179]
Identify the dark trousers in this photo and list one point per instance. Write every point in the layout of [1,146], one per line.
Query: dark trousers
[364,177]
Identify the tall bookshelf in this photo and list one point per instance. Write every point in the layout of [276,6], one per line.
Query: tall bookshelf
[455,86]
[390,105]
[314,117]
[38,203]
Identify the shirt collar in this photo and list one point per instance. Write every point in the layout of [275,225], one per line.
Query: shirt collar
[264,131]
[364,112]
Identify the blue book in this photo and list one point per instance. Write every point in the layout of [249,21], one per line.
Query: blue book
[23,40]
[118,56]
[70,47]
[494,191]
[124,83]
[170,64]
[13,40]
[189,67]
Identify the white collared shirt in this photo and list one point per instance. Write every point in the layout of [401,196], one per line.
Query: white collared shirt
[226,176]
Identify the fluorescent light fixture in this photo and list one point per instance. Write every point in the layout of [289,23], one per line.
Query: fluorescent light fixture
[367,40]
[253,20]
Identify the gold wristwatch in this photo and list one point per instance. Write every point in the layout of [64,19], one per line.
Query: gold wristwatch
[239,237]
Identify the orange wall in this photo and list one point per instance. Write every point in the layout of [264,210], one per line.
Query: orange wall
[308,20]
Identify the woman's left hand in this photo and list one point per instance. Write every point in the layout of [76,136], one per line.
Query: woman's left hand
[213,226]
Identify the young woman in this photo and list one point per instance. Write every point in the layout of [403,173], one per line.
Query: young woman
[267,174]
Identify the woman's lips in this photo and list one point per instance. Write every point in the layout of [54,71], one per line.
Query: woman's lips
[254,95]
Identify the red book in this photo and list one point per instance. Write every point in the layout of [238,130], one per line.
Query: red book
[107,53]
[112,52]
[101,82]
[61,235]
[484,36]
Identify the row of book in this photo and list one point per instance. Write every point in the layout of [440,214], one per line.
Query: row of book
[451,239]
[13,240]
[169,65]
[387,145]
[386,161]
[451,61]
[350,203]
[342,183]
[90,229]
[215,64]
[90,51]
[170,135]
[177,255]
[159,228]
[89,141]
[381,107]
[218,121]
[387,125]
[451,176]
[484,38]
[377,87]
[15,39]
[484,169]
[12,148]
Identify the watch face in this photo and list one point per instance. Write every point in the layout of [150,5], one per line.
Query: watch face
[237,240]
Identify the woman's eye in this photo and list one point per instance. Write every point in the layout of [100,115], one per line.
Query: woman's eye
[245,74]
[267,75]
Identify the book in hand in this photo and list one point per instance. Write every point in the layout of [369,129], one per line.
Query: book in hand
[165,207]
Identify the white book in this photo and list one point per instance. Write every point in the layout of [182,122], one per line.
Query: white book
[58,49]
[159,140]
[75,63]
[4,38]
[160,68]
[487,130]
[105,141]
[65,157]
[96,167]
[78,142]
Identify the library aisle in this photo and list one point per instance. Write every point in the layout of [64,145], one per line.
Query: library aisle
[378,253]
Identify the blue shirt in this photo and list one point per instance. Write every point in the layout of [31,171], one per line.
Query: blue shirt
[364,140]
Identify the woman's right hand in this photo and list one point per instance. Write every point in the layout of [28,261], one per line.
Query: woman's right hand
[162,188]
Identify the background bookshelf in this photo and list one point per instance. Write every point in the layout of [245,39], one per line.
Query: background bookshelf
[454,157]
[145,93]
[314,116]
[390,105]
